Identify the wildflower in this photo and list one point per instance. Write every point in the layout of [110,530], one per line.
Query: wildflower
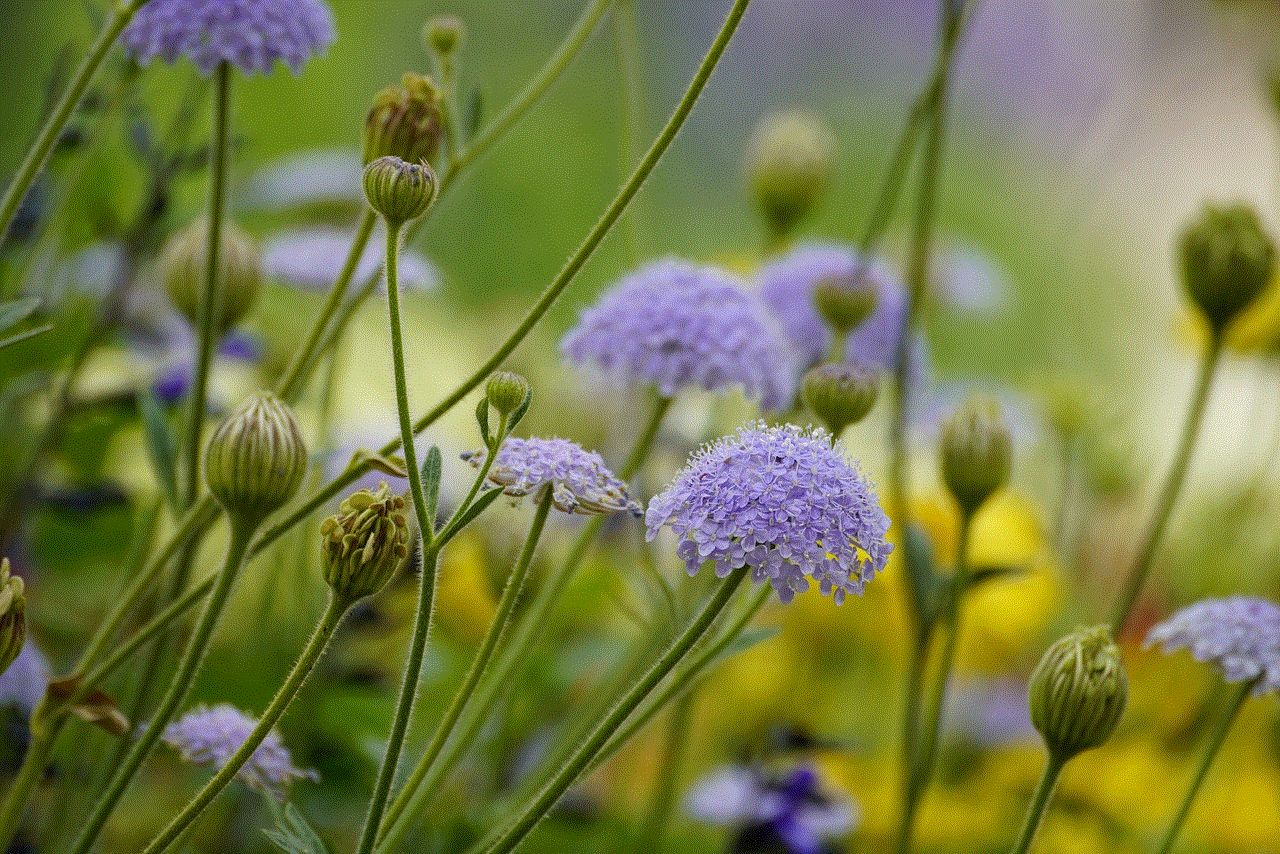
[214,734]
[781,500]
[1239,634]
[314,258]
[579,480]
[256,458]
[183,265]
[788,164]
[674,325]
[364,543]
[789,812]
[1226,259]
[249,34]
[1078,692]
[398,190]
[975,452]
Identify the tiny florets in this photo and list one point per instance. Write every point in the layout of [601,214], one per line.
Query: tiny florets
[781,500]
[1240,635]
[214,734]
[249,34]
[579,480]
[674,325]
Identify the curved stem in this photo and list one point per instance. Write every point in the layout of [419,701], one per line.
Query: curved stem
[1172,484]
[1039,802]
[479,663]
[514,833]
[1216,737]
[241,532]
[529,630]
[279,703]
[626,52]
[211,296]
[53,126]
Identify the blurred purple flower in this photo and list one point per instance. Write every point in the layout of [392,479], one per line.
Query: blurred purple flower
[214,734]
[579,480]
[782,501]
[991,712]
[249,34]
[23,683]
[313,260]
[316,178]
[173,380]
[674,325]
[1240,635]
[969,279]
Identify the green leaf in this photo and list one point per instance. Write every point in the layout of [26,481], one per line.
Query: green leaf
[922,573]
[432,467]
[475,111]
[980,575]
[482,417]
[162,448]
[292,834]
[16,311]
[23,336]
[519,411]
[477,507]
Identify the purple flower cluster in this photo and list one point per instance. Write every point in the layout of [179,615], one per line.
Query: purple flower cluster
[249,34]
[579,480]
[781,500]
[1240,634]
[674,325]
[215,734]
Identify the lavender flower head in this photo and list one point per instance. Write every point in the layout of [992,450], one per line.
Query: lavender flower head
[249,34]
[1240,634]
[675,325]
[782,501]
[215,734]
[580,482]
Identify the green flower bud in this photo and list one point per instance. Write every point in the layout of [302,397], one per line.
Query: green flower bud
[13,616]
[1078,691]
[1227,260]
[399,191]
[505,391]
[976,453]
[364,543]
[405,121]
[840,395]
[182,267]
[256,459]
[788,164]
[844,304]
[443,34]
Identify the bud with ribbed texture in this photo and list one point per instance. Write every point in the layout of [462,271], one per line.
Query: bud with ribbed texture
[505,391]
[398,190]
[1078,692]
[13,616]
[443,34]
[1226,259]
[788,163]
[844,304]
[840,395]
[976,453]
[256,459]
[405,121]
[182,267]
[364,543]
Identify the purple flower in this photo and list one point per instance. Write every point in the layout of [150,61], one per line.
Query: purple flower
[790,811]
[313,260]
[23,683]
[781,500]
[1241,635]
[215,734]
[249,34]
[674,325]
[580,482]
[173,380]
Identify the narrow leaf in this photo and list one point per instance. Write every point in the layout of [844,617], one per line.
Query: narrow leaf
[475,111]
[477,507]
[15,311]
[482,417]
[161,446]
[23,336]
[980,575]
[432,468]
[519,411]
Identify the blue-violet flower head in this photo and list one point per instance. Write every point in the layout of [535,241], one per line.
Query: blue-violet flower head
[782,501]
[215,734]
[249,34]
[1240,634]
[579,480]
[673,325]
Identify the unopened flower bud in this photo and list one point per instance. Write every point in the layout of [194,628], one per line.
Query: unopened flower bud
[505,391]
[1078,692]
[788,164]
[1227,260]
[398,190]
[844,304]
[405,121]
[182,266]
[976,453]
[840,395]
[13,616]
[256,459]
[443,34]
[364,543]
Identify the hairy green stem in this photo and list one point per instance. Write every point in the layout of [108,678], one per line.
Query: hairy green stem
[1039,802]
[279,703]
[626,52]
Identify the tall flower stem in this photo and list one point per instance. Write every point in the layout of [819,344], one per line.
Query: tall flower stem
[921,770]
[419,787]
[1172,484]
[626,52]
[501,618]
[44,730]
[577,764]
[241,533]
[293,683]
[1216,737]
[121,14]
[1039,802]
